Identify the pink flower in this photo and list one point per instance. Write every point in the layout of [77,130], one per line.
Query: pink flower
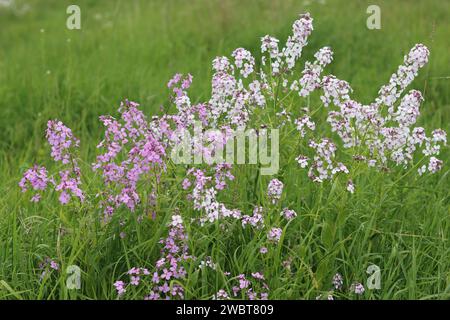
[54,265]
[274,234]
[274,190]
[120,287]
[288,214]
[135,280]
[186,184]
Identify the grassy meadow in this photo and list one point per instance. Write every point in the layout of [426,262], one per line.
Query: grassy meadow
[397,220]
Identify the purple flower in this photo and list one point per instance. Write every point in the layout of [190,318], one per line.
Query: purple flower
[274,190]
[134,280]
[274,234]
[54,265]
[288,214]
[120,287]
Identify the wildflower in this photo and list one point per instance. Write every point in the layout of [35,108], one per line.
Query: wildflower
[176,220]
[263,250]
[186,184]
[60,139]
[37,178]
[135,281]
[303,122]
[338,281]
[243,61]
[222,174]
[120,287]
[166,274]
[311,79]
[357,288]
[274,190]
[221,295]
[439,135]
[152,296]
[302,161]
[435,165]
[252,288]
[46,266]
[324,167]
[274,234]
[270,45]
[301,30]
[335,90]
[256,220]
[288,214]
[207,263]
[35,198]
[258,276]
[350,186]
[54,265]
[164,288]
[416,59]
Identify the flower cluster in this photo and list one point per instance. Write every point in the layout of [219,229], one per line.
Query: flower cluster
[169,267]
[63,145]
[338,285]
[274,234]
[324,166]
[207,263]
[256,220]
[387,132]
[303,122]
[338,281]
[274,190]
[311,78]
[204,190]
[288,214]
[61,140]
[46,266]
[357,288]
[285,59]
[36,178]
[132,154]
[251,288]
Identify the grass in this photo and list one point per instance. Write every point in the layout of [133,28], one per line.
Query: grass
[129,49]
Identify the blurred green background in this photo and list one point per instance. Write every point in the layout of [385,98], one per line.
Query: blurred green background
[129,49]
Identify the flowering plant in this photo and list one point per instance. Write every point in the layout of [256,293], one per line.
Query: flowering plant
[134,163]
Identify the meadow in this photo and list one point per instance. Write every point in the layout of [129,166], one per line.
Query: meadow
[395,218]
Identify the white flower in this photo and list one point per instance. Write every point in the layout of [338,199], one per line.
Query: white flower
[176,220]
